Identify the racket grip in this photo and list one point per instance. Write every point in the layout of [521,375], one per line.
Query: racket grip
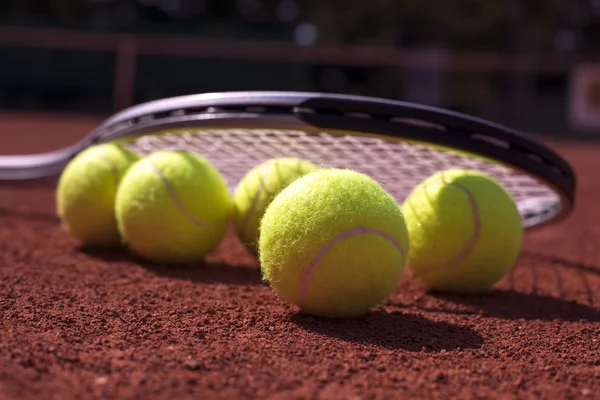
[34,166]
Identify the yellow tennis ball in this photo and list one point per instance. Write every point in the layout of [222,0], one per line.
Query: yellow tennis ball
[334,243]
[86,192]
[257,189]
[465,230]
[173,207]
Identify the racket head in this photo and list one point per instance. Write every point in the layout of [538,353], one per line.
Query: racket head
[397,143]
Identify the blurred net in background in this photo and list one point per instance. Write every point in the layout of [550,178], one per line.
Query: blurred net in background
[511,61]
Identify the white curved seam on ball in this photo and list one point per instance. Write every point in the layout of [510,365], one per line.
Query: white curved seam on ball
[468,249]
[476,227]
[113,169]
[308,272]
[177,201]
[254,205]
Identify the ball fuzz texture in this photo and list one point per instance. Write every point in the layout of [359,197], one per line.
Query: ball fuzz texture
[173,207]
[465,231]
[86,191]
[258,188]
[334,243]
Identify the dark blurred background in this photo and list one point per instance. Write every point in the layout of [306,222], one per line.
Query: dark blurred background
[512,61]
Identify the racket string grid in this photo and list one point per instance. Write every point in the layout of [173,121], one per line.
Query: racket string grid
[398,165]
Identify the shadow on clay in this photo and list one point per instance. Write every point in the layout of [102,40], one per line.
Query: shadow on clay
[509,304]
[204,272]
[393,330]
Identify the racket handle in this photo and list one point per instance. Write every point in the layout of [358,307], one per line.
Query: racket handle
[34,166]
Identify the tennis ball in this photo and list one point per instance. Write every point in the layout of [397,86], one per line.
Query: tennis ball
[172,207]
[465,231]
[86,192]
[257,189]
[334,243]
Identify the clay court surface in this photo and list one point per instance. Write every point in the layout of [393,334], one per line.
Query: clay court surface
[84,324]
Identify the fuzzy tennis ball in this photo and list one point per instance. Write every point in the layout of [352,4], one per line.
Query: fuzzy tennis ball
[173,207]
[465,231]
[334,243]
[86,192]
[257,189]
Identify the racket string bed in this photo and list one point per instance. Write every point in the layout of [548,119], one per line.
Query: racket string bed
[397,143]
[398,165]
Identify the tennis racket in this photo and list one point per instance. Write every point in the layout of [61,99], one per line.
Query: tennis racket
[397,143]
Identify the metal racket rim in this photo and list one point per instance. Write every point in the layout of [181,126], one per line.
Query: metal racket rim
[314,112]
